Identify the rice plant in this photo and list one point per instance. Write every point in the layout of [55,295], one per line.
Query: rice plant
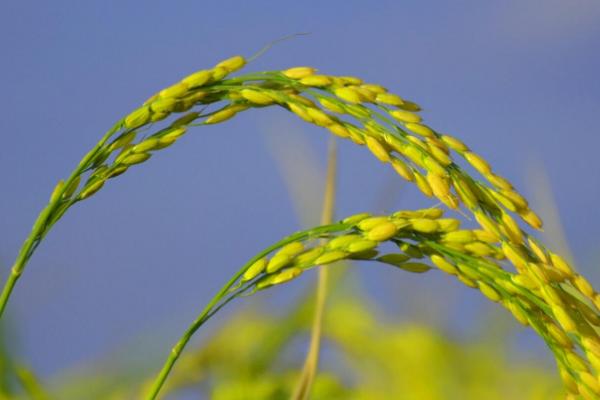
[499,257]
[383,359]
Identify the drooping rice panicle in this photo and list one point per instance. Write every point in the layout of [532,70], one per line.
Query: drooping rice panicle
[425,240]
[542,290]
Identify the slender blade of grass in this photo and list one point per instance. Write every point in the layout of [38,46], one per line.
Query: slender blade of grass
[311,362]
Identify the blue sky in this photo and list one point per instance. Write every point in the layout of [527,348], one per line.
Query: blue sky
[517,80]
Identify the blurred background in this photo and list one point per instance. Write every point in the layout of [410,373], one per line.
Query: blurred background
[122,275]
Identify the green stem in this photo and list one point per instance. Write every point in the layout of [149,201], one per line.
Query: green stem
[207,312]
[180,345]
[42,225]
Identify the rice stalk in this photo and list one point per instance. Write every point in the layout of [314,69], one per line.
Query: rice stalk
[303,388]
[418,235]
[542,290]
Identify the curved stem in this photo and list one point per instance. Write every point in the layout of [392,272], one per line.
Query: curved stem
[214,302]
[182,342]
[44,222]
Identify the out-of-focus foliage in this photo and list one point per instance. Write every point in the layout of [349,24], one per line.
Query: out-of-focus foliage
[6,373]
[257,355]
[16,380]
